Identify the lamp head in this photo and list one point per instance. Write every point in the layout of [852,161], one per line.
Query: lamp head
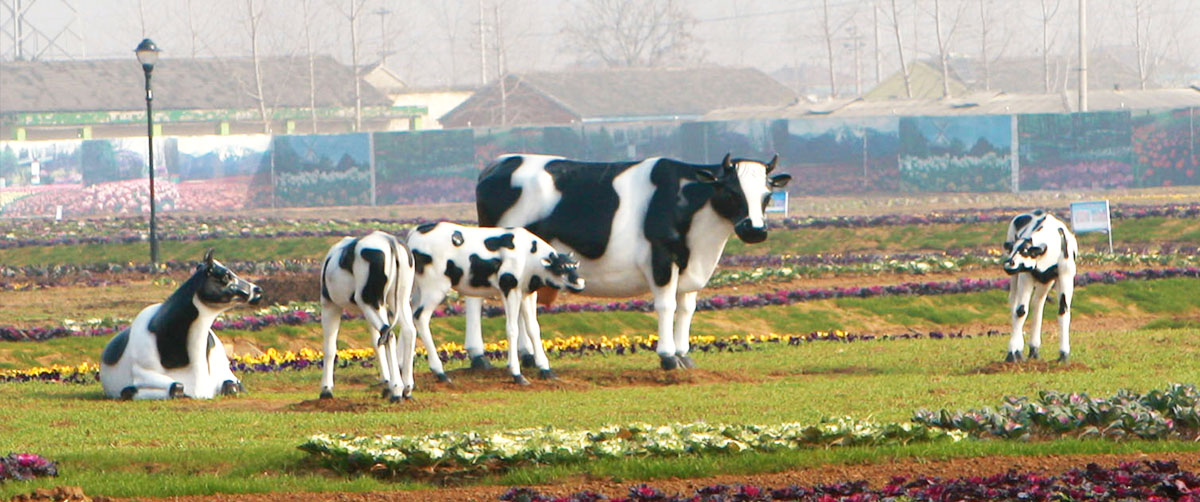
[147,54]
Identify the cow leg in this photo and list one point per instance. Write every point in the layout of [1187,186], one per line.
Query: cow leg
[474,340]
[1066,291]
[1036,304]
[524,340]
[533,332]
[407,345]
[222,375]
[385,349]
[512,315]
[149,384]
[331,320]
[664,306]
[1019,311]
[428,301]
[686,307]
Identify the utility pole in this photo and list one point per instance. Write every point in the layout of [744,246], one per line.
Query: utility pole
[1083,57]
[875,13]
[482,48]
[383,40]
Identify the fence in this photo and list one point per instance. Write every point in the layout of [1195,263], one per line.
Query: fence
[973,153]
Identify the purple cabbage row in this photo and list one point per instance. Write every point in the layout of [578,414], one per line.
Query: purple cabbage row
[834,259]
[994,215]
[1150,481]
[718,302]
[26,466]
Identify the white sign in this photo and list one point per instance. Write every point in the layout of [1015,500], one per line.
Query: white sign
[1091,216]
[778,203]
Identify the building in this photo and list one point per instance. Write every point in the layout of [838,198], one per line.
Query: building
[619,95]
[106,98]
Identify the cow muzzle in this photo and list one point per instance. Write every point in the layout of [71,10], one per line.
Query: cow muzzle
[1011,267]
[748,233]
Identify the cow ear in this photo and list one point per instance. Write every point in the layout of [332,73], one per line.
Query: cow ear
[728,162]
[771,164]
[208,258]
[780,180]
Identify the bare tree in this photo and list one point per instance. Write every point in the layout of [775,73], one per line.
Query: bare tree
[983,44]
[306,6]
[1049,8]
[631,33]
[354,14]
[449,19]
[826,29]
[254,15]
[943,40]
[900,50]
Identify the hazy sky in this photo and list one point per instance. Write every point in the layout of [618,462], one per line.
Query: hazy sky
[437,42]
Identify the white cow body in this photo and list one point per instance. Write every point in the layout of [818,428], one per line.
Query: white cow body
[1041,252]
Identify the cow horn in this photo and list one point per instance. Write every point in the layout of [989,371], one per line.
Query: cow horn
[771,164]
[208,257]
[728,162]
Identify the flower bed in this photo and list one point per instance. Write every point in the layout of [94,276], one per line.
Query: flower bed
[26,466]
[450,452]
[306,313]
[1150,481]
[1172,413]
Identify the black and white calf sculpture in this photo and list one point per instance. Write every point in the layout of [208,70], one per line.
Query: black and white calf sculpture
[1039,251]
[657,226]
[373,275]
[508,263]
[170,350]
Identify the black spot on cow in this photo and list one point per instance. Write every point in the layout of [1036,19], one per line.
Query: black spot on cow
[1020,221]
[456,238]
[1062,304]
[115,348]
[352,297]
[421,260]
[1020,311]
[454,272]
[1045,276]
[496,182]
[173,319]
[507,282]
[535,282]
[410,256]
[426,227]
[417,313]
[212,342]
[346,260]
[372,291]
[481,271]
[324,288]
[499,241]
[533,248]
[1062,239]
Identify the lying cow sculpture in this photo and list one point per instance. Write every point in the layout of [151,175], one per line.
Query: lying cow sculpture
[169,350]
[657,226]
[1039,251]
[509,263]
[373,275]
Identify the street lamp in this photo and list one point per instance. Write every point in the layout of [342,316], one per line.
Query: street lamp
[147,54]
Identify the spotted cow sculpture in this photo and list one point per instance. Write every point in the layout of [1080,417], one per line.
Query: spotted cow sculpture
[509,263]
[1040,251]
[169,350]
[656,225]
[372,274]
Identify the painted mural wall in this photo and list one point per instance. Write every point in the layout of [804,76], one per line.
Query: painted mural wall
[968,153]
[1075,151]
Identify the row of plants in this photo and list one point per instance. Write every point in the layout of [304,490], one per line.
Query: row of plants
[128,197]
[451,452]
[1122,416]
[26,466]
[46,232]
[307,312]
[1171,413]
[1148,481]
[273,360]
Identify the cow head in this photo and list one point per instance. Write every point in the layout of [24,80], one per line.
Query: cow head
[562,271]
[741,190]
[1028,250]
[221,289]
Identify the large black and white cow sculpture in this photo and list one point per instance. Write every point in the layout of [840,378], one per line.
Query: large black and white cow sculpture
[169,350]
[509,263]
[1039,251]
[373,275]
[657,225]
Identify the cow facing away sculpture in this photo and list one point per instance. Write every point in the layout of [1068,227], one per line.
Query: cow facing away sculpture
[657,226]
[169,350]
[1040,251]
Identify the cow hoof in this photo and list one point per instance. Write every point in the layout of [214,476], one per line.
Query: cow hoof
[520,380]
[442,377]
[326,394]
[128,392]
[1013,357]
[387,391]
[547,374]
[394,399]
[668,363]
[686,362]
[1063,356]
[407,393]
[176,391]
[528,360]
[1033,353]
[231,388]
[480,363]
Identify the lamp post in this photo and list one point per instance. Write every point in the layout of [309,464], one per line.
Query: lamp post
[147,54]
